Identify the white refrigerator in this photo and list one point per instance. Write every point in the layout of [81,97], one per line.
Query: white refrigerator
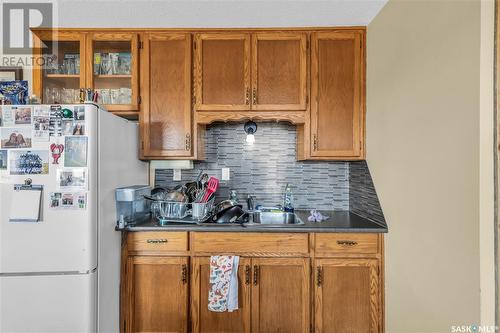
[62,274]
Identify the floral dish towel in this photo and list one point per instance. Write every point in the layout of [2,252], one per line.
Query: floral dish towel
[223,289]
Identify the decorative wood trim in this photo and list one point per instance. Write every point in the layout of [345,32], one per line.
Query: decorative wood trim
[202,30]
[206,118]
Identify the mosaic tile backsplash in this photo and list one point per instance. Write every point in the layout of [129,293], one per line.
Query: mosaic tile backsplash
[363,199]
[264,168]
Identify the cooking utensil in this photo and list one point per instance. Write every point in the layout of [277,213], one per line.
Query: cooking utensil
[230,214]
[212,185]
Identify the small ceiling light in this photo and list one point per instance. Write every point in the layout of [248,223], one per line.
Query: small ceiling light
[250,128]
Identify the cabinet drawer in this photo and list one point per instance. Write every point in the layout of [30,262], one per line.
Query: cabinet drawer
[157,241]
[344,243]
[250,243]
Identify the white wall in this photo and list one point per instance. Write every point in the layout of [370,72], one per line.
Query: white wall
[423,140]
[487,178]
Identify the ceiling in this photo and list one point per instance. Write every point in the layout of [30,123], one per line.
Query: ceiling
[216,13]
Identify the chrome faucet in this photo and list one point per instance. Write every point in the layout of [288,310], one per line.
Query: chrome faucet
[251,202]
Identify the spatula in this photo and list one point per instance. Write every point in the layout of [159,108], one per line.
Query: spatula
[212,185]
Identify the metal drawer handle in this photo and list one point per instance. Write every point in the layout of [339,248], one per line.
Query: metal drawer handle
[247,274]
[319,276]
[157,241]
[184,274]
[347,243]
[255,275]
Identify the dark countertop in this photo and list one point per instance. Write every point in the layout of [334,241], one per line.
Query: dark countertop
[339,221]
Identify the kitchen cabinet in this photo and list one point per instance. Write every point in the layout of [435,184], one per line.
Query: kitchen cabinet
[181,80]
[287,282]
[59,71]
[157,294]
[337,95]
[203,320]
[270,74]
[166,122]
[112,69]
[280,295]
[222,71]
[70,60]
[346,295]
[279,71]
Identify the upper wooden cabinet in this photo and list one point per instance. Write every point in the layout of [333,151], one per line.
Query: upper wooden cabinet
[268,74]
[222,71]
[337,95]
[279,71]
[179,81]
[112,69]
[106,61]
[63,72]
[166,126]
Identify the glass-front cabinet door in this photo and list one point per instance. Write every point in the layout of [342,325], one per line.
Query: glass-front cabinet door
[59,70]
[112,69]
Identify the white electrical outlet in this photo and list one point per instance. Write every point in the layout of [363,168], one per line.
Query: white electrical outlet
[177,174]
[225,173]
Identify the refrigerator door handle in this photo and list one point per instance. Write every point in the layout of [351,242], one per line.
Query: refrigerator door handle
[47,273]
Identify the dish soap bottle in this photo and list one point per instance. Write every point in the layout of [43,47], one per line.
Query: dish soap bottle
[288,199]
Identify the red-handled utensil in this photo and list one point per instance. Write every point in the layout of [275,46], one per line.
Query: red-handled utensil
[212,185]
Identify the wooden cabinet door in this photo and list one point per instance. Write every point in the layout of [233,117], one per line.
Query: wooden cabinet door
[59,70]
[336,95]
[279,71]
[113,69]
[166,129]
[222,71]
[158,294]
[205,321]
[347,296]
[280,295]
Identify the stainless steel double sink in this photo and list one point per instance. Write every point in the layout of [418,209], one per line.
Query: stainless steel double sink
[272,219]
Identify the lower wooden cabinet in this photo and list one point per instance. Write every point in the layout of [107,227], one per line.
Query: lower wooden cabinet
[206,321]
[335,284]
[280,295]
[346,295]
[157,294]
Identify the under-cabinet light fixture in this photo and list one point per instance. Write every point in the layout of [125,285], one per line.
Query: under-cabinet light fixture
[250,128]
